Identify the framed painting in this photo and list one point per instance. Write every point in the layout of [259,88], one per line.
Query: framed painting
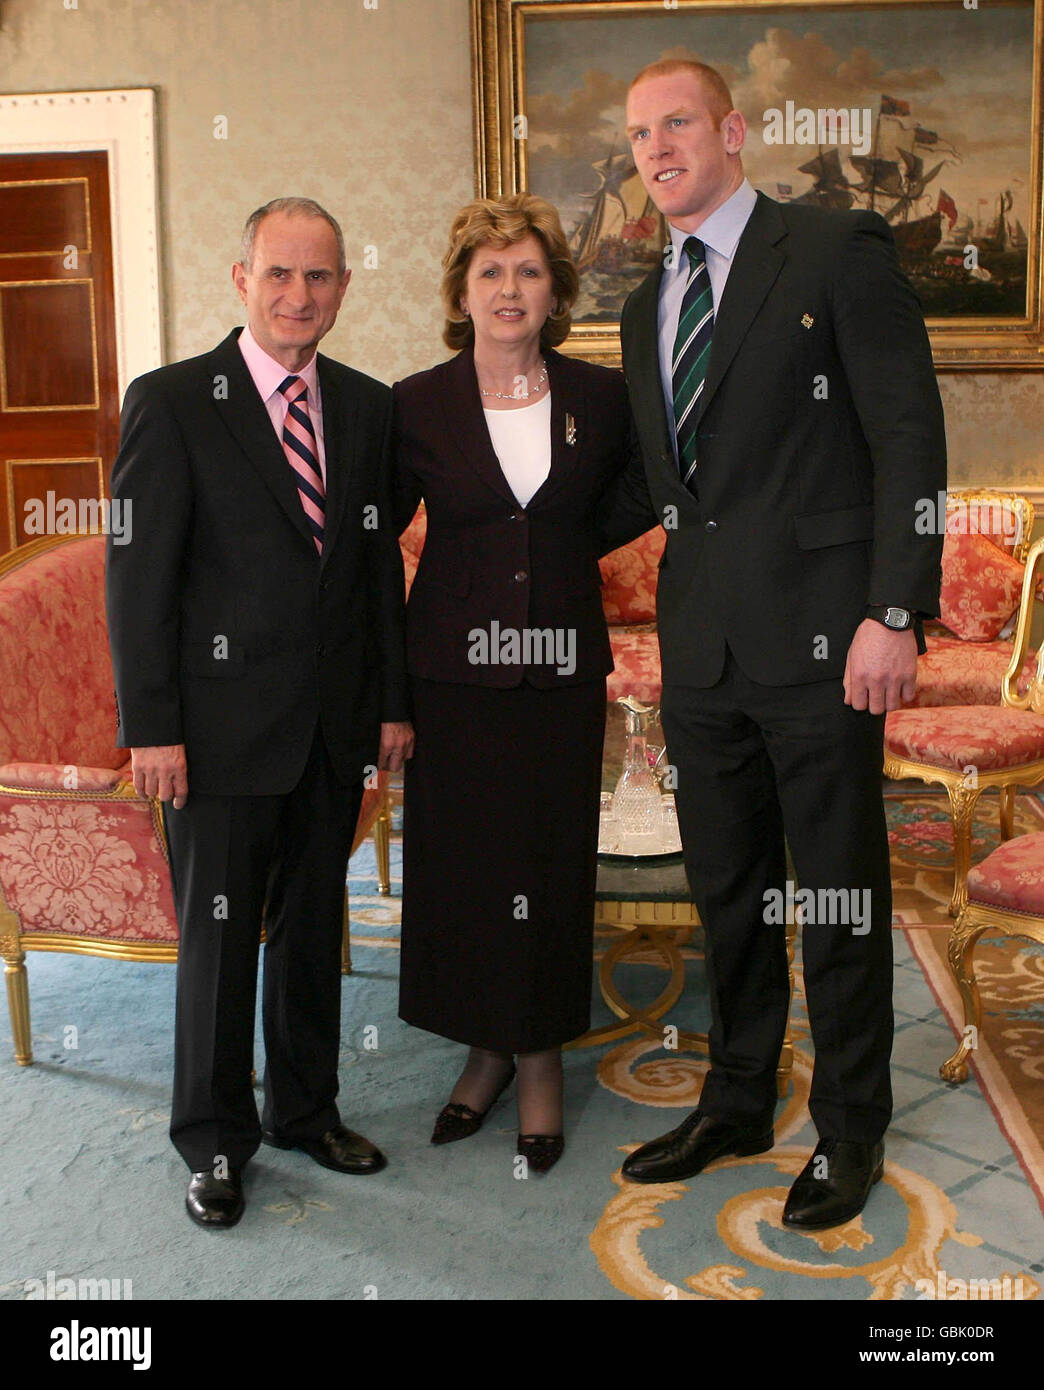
[925,111]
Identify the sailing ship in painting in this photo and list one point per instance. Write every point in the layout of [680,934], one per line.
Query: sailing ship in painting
[623,226]
[898,180]
[618,240]
[621,237]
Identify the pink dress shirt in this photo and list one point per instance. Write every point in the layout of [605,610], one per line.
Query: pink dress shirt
[268,375]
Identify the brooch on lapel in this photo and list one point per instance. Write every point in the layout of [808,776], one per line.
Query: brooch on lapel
[807,320]
[570,430]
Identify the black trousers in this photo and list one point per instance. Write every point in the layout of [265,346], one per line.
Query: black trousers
[234,860]
[756,763]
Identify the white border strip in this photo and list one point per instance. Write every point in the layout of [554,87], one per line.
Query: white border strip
[122,122]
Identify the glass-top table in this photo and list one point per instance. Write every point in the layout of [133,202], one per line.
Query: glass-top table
[650,904]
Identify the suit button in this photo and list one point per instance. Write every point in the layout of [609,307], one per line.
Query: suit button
[326,584]
[668,458]
[521,576]
[517,516]
[320,650]
[710,525]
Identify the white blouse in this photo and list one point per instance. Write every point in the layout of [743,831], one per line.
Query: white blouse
[522,442]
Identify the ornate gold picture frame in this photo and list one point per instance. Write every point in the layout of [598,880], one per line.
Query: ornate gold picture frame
[926,111]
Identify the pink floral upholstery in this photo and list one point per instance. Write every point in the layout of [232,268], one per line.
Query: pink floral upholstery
[963,736]
[1012,876]
[981,587]
[57,704]
[85,868]
[629,578]
[953,672]
[47,777]
[992,517]
[636,653]
[75,859]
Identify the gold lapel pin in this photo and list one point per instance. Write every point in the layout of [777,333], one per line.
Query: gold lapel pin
[807,320]
[570,430]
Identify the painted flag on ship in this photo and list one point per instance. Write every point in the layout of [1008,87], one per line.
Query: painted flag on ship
[947,207]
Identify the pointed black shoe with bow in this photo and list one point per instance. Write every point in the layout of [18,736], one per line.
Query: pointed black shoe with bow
[541,1151]
[458,1121]
[834,1184]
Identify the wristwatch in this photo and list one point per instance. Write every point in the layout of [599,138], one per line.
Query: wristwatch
[898,619]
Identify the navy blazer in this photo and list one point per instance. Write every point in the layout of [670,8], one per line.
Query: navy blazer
[487,560]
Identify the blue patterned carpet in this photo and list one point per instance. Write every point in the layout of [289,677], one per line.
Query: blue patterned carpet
[93,1187]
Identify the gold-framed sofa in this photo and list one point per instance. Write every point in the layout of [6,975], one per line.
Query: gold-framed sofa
[83,858]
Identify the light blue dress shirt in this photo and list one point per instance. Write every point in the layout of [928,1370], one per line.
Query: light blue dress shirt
[720,234]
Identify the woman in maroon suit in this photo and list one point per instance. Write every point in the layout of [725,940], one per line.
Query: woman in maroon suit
[511,446]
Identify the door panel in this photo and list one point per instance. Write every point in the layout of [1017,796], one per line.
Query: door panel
[59,395]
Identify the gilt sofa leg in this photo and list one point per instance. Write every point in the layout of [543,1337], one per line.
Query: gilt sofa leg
[17,987]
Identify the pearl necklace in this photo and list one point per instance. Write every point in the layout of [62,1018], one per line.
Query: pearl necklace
[525,395]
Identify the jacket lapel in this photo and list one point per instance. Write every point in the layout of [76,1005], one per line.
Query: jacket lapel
[245,416]
[466,424]
[643,362]
[567,400]
[642,365]
[340,442]
[755,266]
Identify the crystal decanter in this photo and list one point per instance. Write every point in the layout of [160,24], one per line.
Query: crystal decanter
[636,802]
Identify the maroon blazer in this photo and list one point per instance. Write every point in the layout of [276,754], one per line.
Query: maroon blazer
[490,567]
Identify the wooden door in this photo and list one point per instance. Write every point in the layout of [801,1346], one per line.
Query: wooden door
[59,390]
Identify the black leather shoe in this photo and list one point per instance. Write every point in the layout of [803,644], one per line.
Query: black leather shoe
[340,1149]
[847,1170]
[213,1201]
[687,1150]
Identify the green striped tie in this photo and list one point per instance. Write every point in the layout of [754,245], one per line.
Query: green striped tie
[692,346]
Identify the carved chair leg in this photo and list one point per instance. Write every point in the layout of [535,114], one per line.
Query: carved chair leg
[17,986]
[1007,812]
[346,941]
[18,1007]
[960,950]
[382,842]
[962,812]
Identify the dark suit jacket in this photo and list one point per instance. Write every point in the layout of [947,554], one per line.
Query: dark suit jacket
[486,559]
[228,632]
[819,428]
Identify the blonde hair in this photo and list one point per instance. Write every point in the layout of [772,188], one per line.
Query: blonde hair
[716,89]
[501,222]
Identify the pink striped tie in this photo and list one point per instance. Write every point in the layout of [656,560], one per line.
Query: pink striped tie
[302,454]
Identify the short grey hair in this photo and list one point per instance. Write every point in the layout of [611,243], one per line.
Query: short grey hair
[300,207]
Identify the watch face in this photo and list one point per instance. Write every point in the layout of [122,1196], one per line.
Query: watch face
[897,617]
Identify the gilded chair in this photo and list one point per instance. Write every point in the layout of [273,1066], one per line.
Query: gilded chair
[954,670]
[970,749]
[83,859]
[1005,898]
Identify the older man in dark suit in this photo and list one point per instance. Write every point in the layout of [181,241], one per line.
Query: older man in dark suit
[256,629]
[789,421]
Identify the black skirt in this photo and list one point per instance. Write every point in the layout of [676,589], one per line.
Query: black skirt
[500,837]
